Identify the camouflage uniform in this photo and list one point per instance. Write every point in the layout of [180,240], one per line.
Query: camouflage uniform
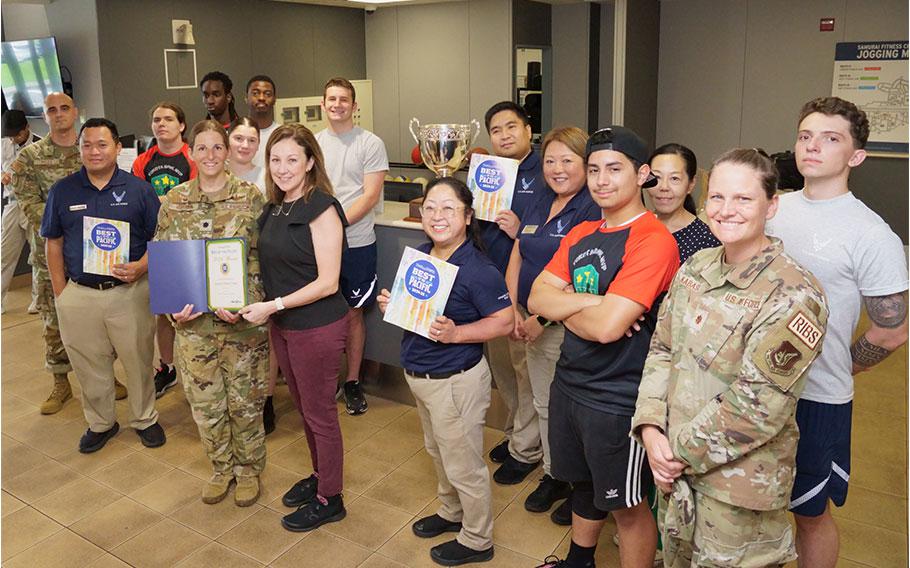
[224,366]
[725,369]
[34,171]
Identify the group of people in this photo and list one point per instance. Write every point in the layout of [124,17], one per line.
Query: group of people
[690,377]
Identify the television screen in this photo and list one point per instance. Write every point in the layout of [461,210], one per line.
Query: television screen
[30,70]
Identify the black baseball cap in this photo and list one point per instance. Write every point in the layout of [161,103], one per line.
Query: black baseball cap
[621,139]
[14,122]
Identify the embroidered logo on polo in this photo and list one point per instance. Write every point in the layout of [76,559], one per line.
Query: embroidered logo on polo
[783,358]
[526,184]
[421,280]
[164,183]
[585,279]
[560,226]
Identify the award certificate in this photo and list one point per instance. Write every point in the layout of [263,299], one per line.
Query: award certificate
[225,261]
[105,242]
[492,181]
[420,292]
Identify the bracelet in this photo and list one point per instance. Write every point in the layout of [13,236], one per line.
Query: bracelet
[279,304]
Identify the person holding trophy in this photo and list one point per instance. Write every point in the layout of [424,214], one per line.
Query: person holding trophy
[450,378]
[221,358]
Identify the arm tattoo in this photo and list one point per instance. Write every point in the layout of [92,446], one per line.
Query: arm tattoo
[889,311]
[866,354]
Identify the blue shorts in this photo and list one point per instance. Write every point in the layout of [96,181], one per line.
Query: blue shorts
[358,276]
[822,457]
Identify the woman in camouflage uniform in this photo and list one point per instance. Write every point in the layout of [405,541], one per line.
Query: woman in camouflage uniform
[221,358]
[717,402]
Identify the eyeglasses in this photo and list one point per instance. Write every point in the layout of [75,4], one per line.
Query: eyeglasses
[446,212]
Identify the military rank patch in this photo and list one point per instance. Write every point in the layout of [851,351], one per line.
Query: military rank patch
[805,330]
[783,358]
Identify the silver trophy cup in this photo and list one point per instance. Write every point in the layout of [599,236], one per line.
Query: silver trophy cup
[444,147]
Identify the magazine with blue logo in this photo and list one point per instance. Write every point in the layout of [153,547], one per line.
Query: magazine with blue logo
[105,242]
[492,181]
[420,292]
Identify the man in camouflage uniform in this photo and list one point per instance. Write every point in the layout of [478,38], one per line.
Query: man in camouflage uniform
[224,365]
[725,370]
[34,171]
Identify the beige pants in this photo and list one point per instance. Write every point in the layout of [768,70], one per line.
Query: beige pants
[452,413]
[515,389]
[542,356]
[98,326]
[12,238]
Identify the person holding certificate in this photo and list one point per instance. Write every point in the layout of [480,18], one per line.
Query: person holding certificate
[301,247]
[450,378]
[221,358]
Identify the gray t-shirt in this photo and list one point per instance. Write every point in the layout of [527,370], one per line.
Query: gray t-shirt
[348,158]
[853,253]
[264,133]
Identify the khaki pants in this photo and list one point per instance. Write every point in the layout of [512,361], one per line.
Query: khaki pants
[515,389]
[452,413]
[12,239]
[98,326]
[541,360]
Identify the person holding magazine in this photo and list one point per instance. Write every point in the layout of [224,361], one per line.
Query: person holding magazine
[450,377]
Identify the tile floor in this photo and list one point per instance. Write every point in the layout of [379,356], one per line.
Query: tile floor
[132,506]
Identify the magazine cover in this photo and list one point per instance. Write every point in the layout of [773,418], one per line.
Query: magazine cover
[105,242]
[492,181]
[420,292]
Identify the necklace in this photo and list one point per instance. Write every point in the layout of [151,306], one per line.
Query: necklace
[281,211]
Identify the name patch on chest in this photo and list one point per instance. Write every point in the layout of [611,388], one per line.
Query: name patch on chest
[80,207]
[805,330]
[748,303]
[690,283]
[529,230]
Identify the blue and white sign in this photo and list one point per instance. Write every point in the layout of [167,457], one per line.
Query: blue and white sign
[106,236]
[422,280]
[489,176]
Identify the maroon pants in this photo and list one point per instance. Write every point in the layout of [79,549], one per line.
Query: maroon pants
[310,360]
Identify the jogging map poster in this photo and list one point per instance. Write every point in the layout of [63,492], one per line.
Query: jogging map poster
[420,292]
[873,75]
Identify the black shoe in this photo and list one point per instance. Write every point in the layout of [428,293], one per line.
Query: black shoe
[315,514]
[94,441]
[268,418]
[453,553]
[552,562]
[153,436]
[548,492]
[353,398]
[165,378]
[434,525]
[500,452]
[302,492]
[562,515]
[513,471]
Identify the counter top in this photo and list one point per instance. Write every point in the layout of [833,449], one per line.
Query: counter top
[393,214]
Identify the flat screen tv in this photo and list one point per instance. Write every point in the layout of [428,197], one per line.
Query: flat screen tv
[30,70]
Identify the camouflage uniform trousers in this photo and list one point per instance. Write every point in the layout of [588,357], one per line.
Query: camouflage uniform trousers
[225,376]
[723,535]
[55,357]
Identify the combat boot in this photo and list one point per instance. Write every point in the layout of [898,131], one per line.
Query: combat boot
[119,390]
[247,490]
[217,488]
[61,393]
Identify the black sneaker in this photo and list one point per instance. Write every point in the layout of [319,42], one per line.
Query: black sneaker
[314,514]
[500,452]
[552,562]
[562,515]
[302,492]
[434,525]
[94,441]
[353,398]
[512,471]
[453,553]
[268,418]
[153,436]
[548,492]
[165,378]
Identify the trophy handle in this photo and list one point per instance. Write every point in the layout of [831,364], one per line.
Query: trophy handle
[475,128]
[413,131]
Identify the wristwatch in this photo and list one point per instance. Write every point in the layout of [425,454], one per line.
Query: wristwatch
[543,321]
[279,304]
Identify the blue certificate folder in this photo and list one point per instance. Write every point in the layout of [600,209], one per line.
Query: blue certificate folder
[177,276]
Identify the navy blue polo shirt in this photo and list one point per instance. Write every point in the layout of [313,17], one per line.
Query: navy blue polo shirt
[124,198]
[538,238]
[528,185]
[479,291]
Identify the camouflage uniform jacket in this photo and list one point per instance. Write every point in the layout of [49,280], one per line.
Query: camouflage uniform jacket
[36,168]
[725,369]
[189,213]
